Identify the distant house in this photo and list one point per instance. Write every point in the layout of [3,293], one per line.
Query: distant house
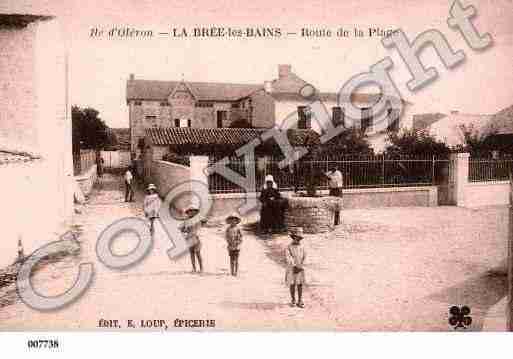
[496,128]
[423,121]
[448,127]
[276,103]
[502,137]
[122,138]
[36,164]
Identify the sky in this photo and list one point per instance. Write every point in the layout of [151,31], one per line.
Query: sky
[100,67]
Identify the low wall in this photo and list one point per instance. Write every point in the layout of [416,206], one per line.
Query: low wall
[426,196]
[166,175]
[486,193]
[87,180]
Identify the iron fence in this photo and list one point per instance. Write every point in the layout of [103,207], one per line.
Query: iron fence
[490,169]
[357,171]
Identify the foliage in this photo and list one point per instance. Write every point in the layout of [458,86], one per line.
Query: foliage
[416,143]
[88,130]
[348,142]
[476,142]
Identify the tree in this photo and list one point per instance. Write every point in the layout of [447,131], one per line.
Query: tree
[415,142]
[477,142]
[349,142]
[88,130]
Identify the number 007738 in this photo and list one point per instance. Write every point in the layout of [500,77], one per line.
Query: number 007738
[43,344]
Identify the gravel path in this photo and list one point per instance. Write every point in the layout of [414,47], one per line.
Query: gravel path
[383,269]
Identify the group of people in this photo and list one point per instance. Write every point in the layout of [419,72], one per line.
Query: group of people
[272,212]
[295,253]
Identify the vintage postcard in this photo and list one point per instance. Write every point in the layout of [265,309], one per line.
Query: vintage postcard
[265,166]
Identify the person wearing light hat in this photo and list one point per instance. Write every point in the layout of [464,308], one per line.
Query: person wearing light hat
[192,237]
[233,237]
[295,256]
[151,205]
[270,205]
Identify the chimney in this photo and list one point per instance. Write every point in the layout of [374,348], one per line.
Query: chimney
[284,70]
[268,86]
[132,77]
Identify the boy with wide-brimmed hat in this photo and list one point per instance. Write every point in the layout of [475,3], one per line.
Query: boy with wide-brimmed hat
[192,237]
[151,205]
[233,237]
[295,274]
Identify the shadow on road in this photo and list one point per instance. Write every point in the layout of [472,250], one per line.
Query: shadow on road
[479,293]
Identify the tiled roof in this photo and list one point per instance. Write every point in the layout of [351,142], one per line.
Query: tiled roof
[502,121]
[230,137]
[21,20]
[7,157]
[325,96]
[425,120]
[206,91]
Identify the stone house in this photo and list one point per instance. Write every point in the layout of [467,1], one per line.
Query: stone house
[154,104]
[36,163]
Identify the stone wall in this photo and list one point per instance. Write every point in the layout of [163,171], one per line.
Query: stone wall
[314,214]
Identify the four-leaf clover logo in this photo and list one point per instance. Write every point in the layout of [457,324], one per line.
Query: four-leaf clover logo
[460,317]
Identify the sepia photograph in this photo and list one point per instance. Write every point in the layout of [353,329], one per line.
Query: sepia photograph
[258,167]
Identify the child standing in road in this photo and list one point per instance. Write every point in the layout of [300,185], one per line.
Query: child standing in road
[234,239]
[295,274]
[152,205]
[192,237]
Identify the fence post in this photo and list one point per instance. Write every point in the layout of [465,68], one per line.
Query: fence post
[461,171]
[433,171]
[510,256]
[383,170]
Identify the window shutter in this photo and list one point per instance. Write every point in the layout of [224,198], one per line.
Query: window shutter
[338,116]
[301,114]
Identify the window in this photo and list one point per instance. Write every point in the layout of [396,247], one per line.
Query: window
[177,122]
[366,118]
[338,116]
[221,118]
[304,116]
[163,104]
[189,123]
[138,103]
[235,105]
[151,120]
[204,104]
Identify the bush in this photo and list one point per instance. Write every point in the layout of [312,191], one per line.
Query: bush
[415,143]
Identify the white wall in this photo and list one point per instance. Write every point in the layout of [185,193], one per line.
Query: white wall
[35,117]
[487,194]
